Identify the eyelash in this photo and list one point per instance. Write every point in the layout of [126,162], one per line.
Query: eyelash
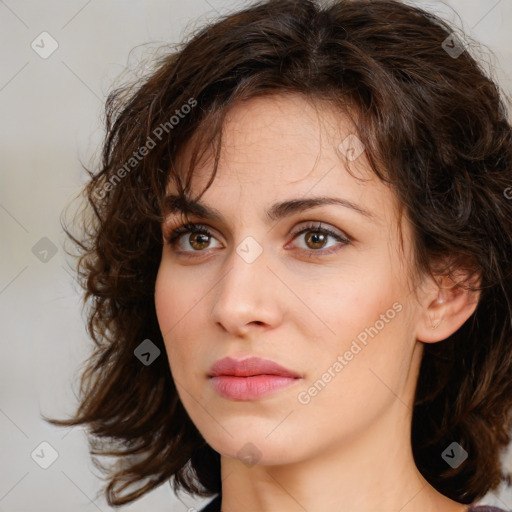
[177,233]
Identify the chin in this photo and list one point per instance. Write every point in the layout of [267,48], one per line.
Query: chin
[253,446]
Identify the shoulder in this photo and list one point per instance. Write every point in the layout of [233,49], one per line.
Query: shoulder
[214,506]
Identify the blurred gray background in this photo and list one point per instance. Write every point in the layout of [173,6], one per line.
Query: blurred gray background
[51,108]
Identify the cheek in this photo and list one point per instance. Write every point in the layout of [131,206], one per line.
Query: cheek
[177,314]
[180,328]
[166,300]
[359,373]
[352,303]
[367,326]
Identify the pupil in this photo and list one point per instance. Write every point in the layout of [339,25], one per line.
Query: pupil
[195,241]
[317,238]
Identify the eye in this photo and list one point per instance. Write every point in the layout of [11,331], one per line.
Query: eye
[200,238]
[316,238]
[198,241]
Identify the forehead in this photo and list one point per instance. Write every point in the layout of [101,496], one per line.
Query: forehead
[283,145]
[278,127]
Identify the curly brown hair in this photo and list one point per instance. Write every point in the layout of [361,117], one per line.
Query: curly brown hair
[435,127]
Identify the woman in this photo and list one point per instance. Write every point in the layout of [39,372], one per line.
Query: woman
[299,267]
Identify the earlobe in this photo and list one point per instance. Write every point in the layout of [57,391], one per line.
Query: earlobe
[446,309]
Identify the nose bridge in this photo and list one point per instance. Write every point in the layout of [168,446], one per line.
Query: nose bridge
[244,294]
[247,268]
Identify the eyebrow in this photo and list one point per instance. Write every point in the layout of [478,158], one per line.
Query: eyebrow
[177,204]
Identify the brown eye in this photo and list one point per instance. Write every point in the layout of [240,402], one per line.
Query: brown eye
[317,239]
[199,241]
[199,238]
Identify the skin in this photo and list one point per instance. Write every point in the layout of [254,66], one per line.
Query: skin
[348,448]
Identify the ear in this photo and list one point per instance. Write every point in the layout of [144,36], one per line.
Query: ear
[446,306]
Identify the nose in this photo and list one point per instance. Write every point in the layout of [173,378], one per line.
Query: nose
[248,295]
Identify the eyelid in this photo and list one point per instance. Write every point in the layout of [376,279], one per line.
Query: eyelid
[317,226]
[169,225]
[174,235]
[322,226]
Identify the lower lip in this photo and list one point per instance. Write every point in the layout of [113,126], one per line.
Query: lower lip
[250,388]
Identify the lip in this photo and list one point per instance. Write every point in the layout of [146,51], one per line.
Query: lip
[250,378]
[249,367]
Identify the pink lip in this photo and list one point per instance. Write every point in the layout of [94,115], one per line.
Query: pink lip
[249,378]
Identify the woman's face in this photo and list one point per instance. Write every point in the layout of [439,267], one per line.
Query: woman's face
[341,316]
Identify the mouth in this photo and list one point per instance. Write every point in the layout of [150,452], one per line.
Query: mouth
[250,378]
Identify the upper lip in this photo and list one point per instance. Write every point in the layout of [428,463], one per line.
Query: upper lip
[248,367]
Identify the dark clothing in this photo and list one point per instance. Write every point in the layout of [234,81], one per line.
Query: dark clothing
[484,508]
[214,506]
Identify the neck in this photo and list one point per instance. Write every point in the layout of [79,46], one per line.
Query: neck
[364,474]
